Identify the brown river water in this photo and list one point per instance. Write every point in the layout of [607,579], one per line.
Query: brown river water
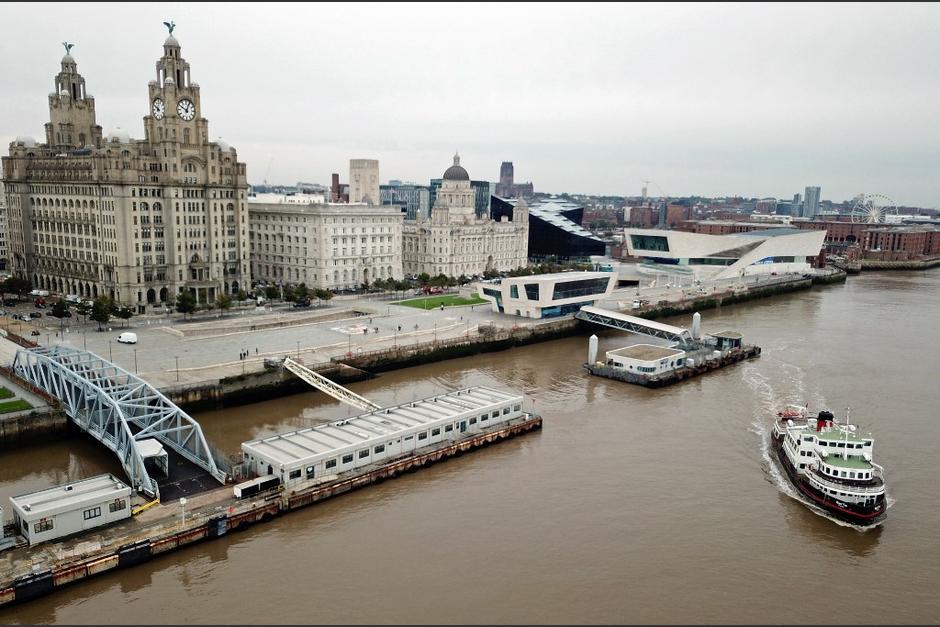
[631,505]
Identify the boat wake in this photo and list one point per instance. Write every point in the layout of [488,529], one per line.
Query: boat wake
[767,406]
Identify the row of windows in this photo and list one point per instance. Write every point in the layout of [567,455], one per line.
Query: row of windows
[94,512]
[380,448]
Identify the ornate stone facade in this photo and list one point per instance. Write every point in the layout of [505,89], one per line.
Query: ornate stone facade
[331,246]
[455,241]
[138,220]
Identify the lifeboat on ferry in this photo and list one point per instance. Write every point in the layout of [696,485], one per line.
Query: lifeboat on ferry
[792,411]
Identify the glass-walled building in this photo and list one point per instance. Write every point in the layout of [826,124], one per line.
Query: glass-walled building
[548,295]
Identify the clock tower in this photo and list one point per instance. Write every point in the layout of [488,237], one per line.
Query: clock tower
[175,113]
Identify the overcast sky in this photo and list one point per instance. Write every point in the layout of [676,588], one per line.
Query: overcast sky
[700,99]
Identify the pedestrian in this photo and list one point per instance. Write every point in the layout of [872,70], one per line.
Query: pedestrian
[256,350]
[442,306]
[399,328]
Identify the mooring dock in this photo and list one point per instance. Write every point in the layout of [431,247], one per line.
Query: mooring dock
[689,354]
[34,572]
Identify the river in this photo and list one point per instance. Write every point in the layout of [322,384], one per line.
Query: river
[631,505]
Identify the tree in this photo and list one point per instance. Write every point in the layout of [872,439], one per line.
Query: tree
[379,283]
[101,310]
[271,292]
[18,286]
[322,294]
[424,279]
[463,279]
[185,302]
[124,313]
[83,309]
[302,292]
[242,295]
[223,302]
[60,309]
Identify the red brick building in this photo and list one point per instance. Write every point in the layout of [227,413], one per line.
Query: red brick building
[902,243]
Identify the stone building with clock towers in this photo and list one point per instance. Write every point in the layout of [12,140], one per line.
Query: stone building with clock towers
[139,220]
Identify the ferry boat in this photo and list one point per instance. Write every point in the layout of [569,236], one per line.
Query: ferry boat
[831,464]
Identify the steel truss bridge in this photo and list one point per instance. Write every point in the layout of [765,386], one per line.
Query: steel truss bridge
[117,408]
[633,324]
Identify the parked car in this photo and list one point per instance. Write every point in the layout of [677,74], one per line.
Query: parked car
[127,338]
[9,303]
[35,314]
[302,303]
[35,332]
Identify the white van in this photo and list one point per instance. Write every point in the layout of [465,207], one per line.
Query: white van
[127,338]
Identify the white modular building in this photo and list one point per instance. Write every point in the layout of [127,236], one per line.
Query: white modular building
[646,359]
[715,257]
[548,295]
[343,445]
[64,510]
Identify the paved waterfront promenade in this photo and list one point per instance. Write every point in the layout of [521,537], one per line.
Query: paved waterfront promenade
[165,357]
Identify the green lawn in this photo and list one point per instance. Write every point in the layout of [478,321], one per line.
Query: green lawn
[17,405]
[448,300]
[5,393]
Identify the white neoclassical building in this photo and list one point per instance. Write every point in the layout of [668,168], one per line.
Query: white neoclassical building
[325,245]
[454,241]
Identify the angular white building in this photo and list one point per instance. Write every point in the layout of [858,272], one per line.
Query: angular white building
[715,257]
[547,295]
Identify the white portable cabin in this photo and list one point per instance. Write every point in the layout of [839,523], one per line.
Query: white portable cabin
[646,359]
[343,445]
[63,510]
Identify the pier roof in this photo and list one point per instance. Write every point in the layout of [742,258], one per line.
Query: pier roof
[646,352]
[69,497]
[375,426]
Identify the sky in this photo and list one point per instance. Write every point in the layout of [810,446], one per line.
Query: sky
[705,99]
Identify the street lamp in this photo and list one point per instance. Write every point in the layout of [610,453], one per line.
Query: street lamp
[135,361]
[110,356]
[177,368]
[298,349]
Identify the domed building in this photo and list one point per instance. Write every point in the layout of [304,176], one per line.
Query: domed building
[454,241]
[148,218]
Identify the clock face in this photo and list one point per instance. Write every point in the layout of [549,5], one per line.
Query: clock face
[159,109]
[186,109]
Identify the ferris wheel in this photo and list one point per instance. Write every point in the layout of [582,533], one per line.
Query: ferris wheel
[873,208]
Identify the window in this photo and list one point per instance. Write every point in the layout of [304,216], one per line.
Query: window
[310,471]
[379,448]
[495,414]
[484,417]
[94,512]
[505,410]
[330,463]
[363,453]
[473,420]
[516,407]
[436,431]
[448,428]
[409,437]
[423,435]
[347,459]
[44,524]
[294,474]
[117,505]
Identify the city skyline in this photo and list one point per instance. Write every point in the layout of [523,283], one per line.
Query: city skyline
[591,100]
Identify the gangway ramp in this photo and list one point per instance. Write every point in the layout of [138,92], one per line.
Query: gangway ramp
[633,324]
[117,408]
[325,385]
